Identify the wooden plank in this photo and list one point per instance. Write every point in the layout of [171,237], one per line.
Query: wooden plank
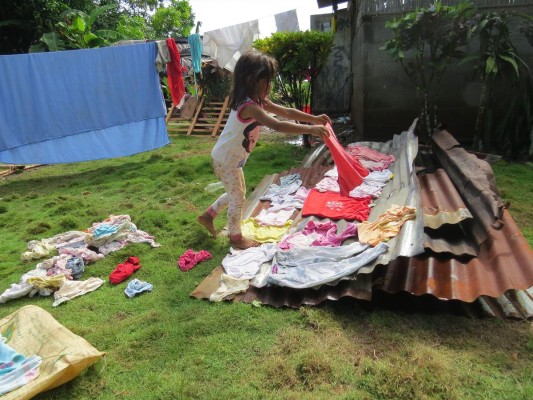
[220,117]
[196,115]
[169,114]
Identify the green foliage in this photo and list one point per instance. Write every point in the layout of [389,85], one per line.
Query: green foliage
[300,56]
[35,23]
[502,127]
[527,27]
[214,81]
[133,27]
[75,30]
[425,42]
[175,20]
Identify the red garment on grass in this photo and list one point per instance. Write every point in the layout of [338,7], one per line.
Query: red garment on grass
[351,172]
[190,258]
[175,79]
[123,271]
[333,205]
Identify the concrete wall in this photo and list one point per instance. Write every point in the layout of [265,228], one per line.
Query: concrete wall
[332,87]
[384,99]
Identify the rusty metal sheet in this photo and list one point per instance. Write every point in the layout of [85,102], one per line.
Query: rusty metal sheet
[472,177]
[440,201]
[504,262]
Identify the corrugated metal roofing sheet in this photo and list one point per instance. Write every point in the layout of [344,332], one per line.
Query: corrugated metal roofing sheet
[497,281]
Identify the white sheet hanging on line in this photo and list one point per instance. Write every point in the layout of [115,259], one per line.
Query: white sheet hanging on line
[287,21]
[227,44]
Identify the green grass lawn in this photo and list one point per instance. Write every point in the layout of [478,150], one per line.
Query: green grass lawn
[167,345]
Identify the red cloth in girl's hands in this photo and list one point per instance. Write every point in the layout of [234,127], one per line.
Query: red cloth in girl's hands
[123,271]
[351,171]
[190,258]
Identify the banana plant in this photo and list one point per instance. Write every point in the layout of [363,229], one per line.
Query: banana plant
[75,31]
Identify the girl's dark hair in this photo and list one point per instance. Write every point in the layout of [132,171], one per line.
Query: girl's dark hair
[251,66]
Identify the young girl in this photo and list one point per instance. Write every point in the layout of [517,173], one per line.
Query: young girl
[250,106]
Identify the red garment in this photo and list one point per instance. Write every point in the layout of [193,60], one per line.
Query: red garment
[190,258]
[333,205]
[175,79]
[351,172]
[123,271]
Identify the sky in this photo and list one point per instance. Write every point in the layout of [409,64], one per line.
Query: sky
[216,14]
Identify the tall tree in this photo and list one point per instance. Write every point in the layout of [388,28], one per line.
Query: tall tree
[175,20]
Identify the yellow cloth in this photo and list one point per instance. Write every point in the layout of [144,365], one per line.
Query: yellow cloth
[386,226]
[42,282]
[264,234]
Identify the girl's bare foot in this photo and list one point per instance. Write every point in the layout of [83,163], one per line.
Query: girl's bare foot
[207,221]
[243,243]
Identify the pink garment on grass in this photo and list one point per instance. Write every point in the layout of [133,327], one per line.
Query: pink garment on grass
[190,258]
[351,172]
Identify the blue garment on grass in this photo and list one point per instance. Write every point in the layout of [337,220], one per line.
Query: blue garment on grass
[80,105]
[136,287]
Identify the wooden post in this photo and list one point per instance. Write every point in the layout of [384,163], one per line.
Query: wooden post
[196,115]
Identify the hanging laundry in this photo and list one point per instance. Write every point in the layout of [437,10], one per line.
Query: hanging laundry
[335,206]
[79,105]
[287,21]
[195,43]
[174,73]
[386,226]
[227,44]
[351,172]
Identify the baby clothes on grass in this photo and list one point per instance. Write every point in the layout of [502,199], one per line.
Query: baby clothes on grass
[123,271]
[72,289]
[190,258]
[136,287]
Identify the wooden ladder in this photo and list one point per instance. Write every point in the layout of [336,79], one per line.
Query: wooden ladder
[210,116]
